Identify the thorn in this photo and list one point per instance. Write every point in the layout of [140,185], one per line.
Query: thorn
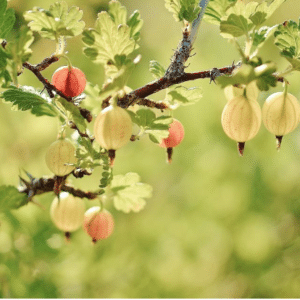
[23,181]
[29,175]
[241,146]
[38,204]
[278,141]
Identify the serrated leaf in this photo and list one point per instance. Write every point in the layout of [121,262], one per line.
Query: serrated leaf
[117,12]
[55,22]
[107,40]
[287,39]
[73,114]
[27,98]
[183,96]
[183,9]
[11,198]
[7,21]
[260,36]
[216,9]
[129,192]
[135,24]
[156,69]
[235,25]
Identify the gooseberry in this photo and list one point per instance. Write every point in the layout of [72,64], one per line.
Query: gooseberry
[281,114]
[99,224]
[241,120]
[176,135]
[59,155]
[70,81]
[67,213]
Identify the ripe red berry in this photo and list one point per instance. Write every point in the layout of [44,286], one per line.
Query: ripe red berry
[70,82]
[99,224]
[176,134]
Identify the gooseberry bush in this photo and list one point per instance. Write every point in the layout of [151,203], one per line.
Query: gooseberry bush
[102,114]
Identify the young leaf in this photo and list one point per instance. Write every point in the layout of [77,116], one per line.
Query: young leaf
[73,113]
[287,39]
[216,9]
[156,69]
[183,96]
[11,198]
[183,9]
[117,12]
[55,22]
[27,98]
[129,192]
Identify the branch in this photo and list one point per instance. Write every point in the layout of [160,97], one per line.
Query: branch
[164,82]
[38,186]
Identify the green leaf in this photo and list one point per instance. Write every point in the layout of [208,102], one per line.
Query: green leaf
[263,75]
[73,113]
[55,22]
[11,198]
[129,192]
[235,25]
[216,9]
[7,21]
[156,127]
[27,98]
[19,50]
[135,24]
[107,40]
[183,96]
[156,69]
[117,12]
[287,39]
[183,9]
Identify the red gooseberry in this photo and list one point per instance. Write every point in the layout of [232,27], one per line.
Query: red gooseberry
[71,82]
[176,134]
[99,224]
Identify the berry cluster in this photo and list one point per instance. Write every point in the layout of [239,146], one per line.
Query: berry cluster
[242,115]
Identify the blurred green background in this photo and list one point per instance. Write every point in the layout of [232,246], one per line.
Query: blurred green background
[218,225]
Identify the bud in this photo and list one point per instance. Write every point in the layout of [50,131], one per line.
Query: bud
[59,155]
[241,119]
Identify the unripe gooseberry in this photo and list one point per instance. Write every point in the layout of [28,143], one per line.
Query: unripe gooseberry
[70,82]
[99,224]
[232,92]
[113,128]
[67,213]
[59,155]
[241,120]
[281,113]
[176,135]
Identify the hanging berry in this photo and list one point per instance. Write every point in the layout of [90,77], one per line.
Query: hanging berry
[176,135]
[67,213]
[281,114]
[99,224]
[59,155]
[70,81]
[241,120]
[113,129]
